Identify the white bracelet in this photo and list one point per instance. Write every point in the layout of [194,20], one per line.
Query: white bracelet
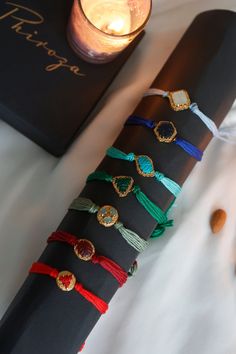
[179,101]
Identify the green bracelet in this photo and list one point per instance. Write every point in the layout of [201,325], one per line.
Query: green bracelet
[108,216]
[124,185]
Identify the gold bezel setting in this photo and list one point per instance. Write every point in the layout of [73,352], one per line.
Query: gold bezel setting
[179,106]
[107,215]
[165,139]
[128,189]
[66,281]
[142,173]
[84,250]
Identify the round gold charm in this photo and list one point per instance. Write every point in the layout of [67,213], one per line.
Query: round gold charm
[165,131]
[107,215]
[66,281]
[84,250]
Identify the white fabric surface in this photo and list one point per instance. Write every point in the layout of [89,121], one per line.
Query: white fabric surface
[182,300]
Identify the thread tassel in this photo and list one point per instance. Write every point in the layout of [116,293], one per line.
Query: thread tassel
[189,148]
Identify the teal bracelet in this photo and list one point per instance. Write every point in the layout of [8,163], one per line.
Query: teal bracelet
[124,185]
[108,216]
[145,168]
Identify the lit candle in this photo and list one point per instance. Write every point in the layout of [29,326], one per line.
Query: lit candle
[99,30]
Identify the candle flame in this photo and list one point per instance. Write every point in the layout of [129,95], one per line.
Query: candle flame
[116,26]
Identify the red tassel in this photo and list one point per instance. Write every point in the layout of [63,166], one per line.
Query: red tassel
[42,268]
[63,237]
[96,301]
[112,267]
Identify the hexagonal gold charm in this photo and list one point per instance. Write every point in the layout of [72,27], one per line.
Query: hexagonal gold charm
[179,100]
[66,281]
[165,131]
[107,215]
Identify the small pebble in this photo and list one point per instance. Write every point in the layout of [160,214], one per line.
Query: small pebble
[218,219]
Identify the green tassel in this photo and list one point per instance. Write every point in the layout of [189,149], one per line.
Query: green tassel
[100,176]
[131,237]
[153,209]
[84,204]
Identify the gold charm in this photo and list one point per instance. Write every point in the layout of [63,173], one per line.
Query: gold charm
[66,281]
[84,250]
[123,185]
[144,166]
[165,131]
[107,215]
[179,100]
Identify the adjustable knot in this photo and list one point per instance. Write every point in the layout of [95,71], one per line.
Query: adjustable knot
[168,223]
[93,209]
[160,229]
[118,225]
[130,156]
[194,107]
[95,259]
[159,176]
[165,94]
[136,189]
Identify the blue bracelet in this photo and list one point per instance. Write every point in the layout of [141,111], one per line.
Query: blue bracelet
[166,132]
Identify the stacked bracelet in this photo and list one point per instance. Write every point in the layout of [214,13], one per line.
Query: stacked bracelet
[85,251]
[123,185]
[66,281]
[179,101]
[108,216]
[166,132]
[145,168]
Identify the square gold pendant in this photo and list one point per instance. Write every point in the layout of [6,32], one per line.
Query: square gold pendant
[179,100]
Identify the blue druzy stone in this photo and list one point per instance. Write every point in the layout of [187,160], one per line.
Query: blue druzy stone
[166,130]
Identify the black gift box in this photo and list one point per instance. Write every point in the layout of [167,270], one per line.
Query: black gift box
[42,319]
[47,92]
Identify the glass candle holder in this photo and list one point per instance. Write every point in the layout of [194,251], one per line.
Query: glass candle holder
[99,30]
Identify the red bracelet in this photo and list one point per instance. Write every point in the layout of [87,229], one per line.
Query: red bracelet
[85,250]
[66,281]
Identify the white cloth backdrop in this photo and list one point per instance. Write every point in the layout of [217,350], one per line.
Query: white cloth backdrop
[183,299]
